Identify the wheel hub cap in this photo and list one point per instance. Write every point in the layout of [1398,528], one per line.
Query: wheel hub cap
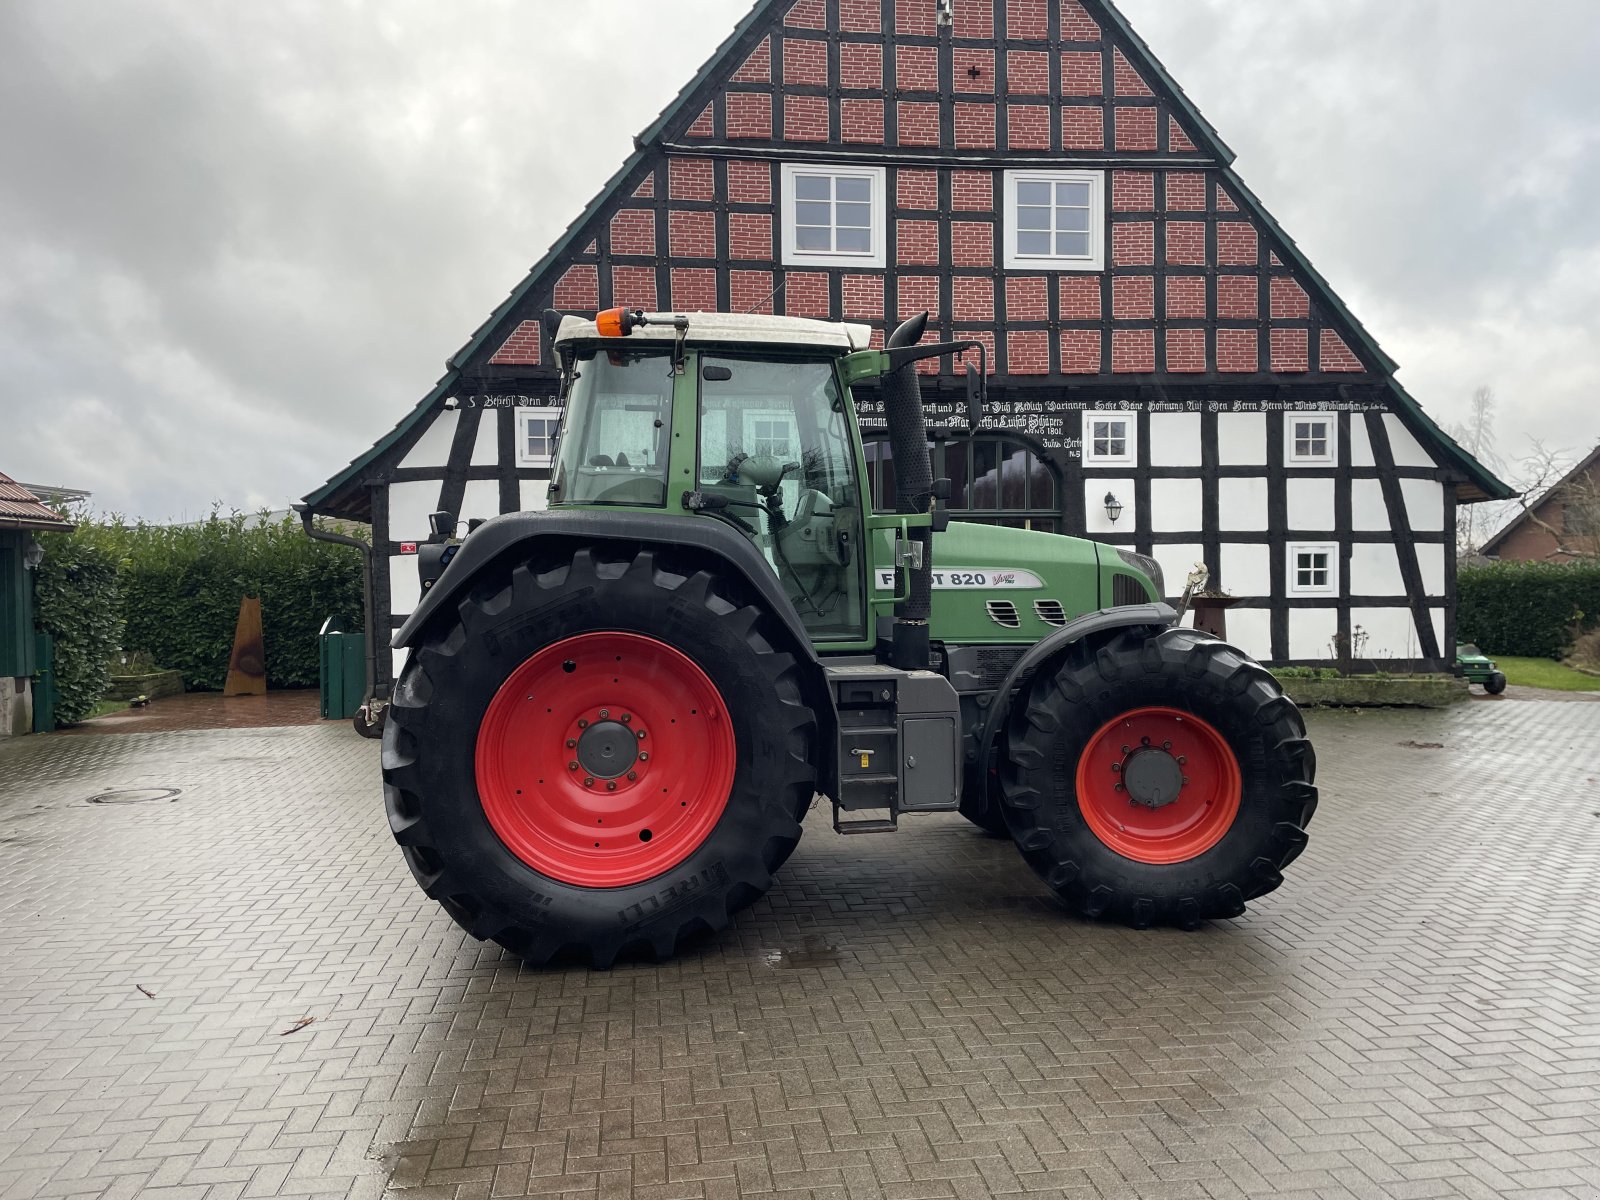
[607,749]
[1153,778]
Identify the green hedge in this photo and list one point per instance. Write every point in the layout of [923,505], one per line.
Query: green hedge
[181,587]
[1530,610]
[76,601]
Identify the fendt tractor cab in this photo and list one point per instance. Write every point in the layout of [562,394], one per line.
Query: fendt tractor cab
[616,713]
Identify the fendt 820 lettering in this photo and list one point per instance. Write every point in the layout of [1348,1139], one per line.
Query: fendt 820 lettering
[616,713]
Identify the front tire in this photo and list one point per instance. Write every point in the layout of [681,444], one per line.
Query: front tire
[1165,780]
[1495,684]
[632,850]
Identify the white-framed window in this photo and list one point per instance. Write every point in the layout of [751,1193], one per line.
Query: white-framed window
[772,435]
[1311,439]
[1055,220]
[536,436]
[1313,569]
[834,216]
[1110,439]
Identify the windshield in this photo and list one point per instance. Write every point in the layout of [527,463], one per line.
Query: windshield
[614,436]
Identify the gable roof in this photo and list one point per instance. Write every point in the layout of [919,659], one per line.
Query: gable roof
[1522,518]
[21,509]
[1481,483]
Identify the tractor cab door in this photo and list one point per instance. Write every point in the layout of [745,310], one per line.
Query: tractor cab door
[775,444]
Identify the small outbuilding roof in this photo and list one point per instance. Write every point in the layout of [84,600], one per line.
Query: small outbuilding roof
[21,509]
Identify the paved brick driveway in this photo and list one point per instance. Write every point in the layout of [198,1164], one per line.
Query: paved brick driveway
[1417,1012]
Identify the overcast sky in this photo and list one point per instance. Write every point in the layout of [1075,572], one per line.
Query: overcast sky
[237,241]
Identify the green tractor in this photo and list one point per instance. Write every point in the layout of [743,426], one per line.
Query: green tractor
[616,713]
[1476,667]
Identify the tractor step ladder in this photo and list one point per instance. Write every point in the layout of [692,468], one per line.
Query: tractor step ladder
[899,744]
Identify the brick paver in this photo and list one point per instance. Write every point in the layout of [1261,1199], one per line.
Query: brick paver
[1415,1014]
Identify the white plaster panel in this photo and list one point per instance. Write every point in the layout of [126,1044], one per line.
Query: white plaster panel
[409,506]
[398,658]
[1424,504]
[433,448]
[1375,570]
[1176,505]
[1438,632]
[1390,633]
[1407,451]
[1094,506]
[405,587]
[535,495]
[486,449]
[1311,632]
[1368,512]
[1242,439]
[1430,558]
[1310,505]
[1246,570]
[1250,629]
[1360,443]
[1243,503]
[1174,440]
[480,501]
[1177,560]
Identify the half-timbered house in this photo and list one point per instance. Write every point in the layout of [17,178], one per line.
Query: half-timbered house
[1170,373]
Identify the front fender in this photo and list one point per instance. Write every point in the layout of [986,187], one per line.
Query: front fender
[1089,625]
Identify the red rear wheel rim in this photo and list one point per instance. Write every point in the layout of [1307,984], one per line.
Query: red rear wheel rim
[605,759]
[1185,748]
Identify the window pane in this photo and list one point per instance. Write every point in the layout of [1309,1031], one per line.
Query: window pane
[807,238]
[1033,193]
[1033,218]
[813,187]
[852,187]
[1033,243]
[809,212]
[854,240]
[857,215]
[1075,219]
[1073,245]
[1074,194]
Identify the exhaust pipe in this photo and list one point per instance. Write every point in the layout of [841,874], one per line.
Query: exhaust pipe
[913,493]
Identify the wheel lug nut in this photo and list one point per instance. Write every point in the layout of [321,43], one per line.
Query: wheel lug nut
[644,756]
[1144,741]
[641,735]
[633,774]
[583,723]
[612,786]
[627,718]
[1127,749]
[1182,760]
[1117,768]
[588,782]
[1166,745]
[1120,788]
[604,713]
[572,766]
[571,742]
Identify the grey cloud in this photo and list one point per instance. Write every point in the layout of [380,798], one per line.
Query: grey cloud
[239,241]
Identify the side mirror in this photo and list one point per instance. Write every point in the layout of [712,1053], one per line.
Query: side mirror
[975,397]
[443,525]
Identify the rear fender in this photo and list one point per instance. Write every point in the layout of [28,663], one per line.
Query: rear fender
[1089,627]
[515,534]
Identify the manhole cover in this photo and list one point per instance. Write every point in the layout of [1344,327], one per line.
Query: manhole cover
[135,795]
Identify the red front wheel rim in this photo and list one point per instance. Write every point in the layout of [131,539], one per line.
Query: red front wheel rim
[1158,785]
[605,759]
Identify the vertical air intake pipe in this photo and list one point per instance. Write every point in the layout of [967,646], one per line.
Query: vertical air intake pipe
[913,493]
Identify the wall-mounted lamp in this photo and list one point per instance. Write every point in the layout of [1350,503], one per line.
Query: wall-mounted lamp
[32,555]
[1113,507]
[945,14]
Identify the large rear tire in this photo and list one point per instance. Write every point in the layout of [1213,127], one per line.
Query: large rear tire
[600,754]
[1165,780]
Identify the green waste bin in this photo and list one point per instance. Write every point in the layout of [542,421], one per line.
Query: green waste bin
[344,670]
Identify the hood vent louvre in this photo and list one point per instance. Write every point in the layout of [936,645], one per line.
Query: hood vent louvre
[1051,612]
[1003,613]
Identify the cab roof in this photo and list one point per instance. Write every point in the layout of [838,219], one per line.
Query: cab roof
[730,329]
